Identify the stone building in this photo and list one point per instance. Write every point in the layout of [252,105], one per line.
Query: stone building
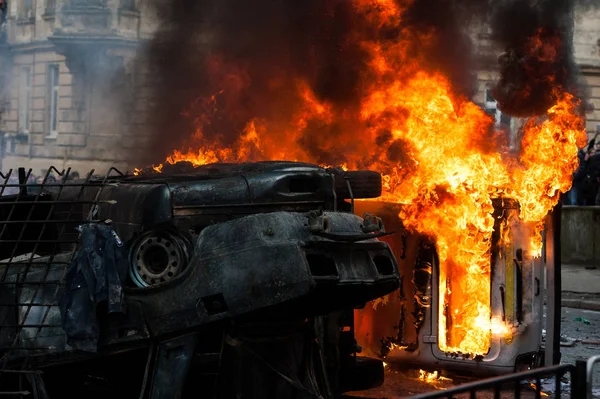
[72,91]
[587,53]
[70,88]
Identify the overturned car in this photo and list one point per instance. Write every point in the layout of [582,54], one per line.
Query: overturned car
[234,280]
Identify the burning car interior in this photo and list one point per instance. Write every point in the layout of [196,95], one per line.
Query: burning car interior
[428,335]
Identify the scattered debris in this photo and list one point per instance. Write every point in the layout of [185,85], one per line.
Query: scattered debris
[566,341]
[549,385]
[583,320]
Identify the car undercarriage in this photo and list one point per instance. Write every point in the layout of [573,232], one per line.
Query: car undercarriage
[234,280]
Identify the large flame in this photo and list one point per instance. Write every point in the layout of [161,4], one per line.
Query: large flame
[439,156]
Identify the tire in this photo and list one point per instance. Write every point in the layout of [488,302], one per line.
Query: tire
[364,184]
[168,254]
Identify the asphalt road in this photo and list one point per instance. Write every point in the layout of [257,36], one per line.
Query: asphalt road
[582,332]
[403,384]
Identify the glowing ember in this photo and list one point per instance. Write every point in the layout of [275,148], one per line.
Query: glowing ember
[439,156]
[425,376]
[432,377]
[394,347]
[342,166]
[535,387]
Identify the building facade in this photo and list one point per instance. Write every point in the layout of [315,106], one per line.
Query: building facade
[71,90]
[586,40]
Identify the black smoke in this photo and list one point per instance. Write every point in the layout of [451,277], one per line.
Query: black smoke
[251,54]
[248,56]
[536,36]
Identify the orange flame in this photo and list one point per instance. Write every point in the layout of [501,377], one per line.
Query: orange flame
[535,387]
[439,156]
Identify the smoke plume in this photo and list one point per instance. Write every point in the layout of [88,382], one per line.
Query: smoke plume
[247,56]
[536,36]
[220,64]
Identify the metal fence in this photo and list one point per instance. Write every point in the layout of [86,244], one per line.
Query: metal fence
[589,375]
[38,239]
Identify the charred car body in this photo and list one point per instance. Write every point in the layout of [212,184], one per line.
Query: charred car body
[237,280]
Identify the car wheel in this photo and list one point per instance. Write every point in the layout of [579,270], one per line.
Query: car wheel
[157,257]
[364,184]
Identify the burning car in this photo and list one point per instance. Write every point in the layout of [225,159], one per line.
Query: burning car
[422,324]
[230,279]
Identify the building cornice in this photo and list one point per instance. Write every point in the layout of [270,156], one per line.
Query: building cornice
[30,47]
[75,39]
[85,39]
[589,67]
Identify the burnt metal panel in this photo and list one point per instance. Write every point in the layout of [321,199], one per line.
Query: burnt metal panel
[259,261]
[290,186]
[173,362]
[138,206]
[227,190]
[254,188]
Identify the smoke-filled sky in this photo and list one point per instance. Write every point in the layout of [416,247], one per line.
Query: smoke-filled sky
[251,53]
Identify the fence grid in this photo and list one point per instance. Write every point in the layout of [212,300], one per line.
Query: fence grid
[38,239]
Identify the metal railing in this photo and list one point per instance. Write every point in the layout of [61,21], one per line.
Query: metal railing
[38,239]
[589,375]
[514,383]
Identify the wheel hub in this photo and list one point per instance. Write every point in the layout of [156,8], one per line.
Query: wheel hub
[156,259]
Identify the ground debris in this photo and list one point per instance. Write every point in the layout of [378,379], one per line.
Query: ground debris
[583,320]
[549,385]
[566,341]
